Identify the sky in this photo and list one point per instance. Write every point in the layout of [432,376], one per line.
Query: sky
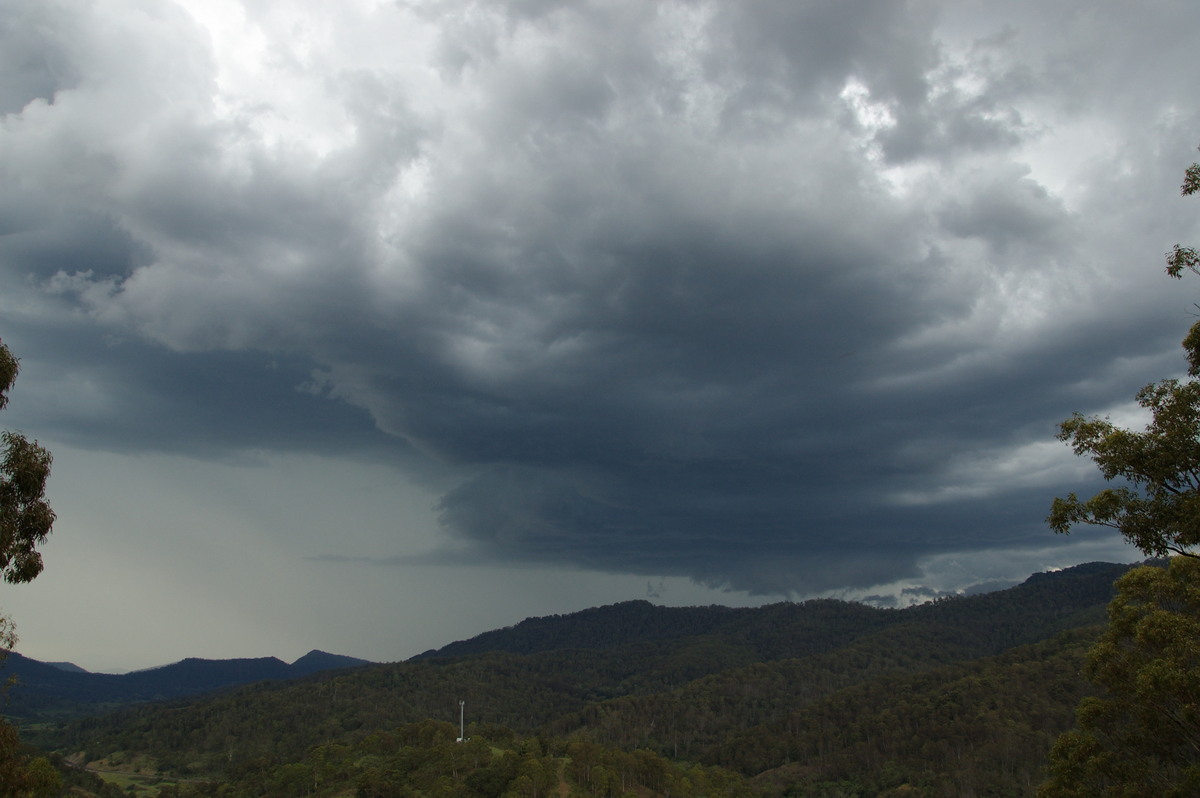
[369,326]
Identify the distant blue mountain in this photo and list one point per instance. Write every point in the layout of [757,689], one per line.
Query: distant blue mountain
[45,689]
[316,661]
[70,667]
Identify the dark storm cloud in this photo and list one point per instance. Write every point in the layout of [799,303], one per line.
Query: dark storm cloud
[129,396]
[768,296]
[32,62]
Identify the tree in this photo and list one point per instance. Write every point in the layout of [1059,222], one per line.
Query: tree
[25,516]
[25,521]
[20,775]
[1141,735]
[1158,509]
[1180,258]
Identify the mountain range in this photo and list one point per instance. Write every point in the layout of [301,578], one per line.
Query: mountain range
[960,696]
[44,689]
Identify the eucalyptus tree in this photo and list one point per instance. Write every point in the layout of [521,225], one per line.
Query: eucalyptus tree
[25,515]
[1157,508]
[1141,735]
[25,521]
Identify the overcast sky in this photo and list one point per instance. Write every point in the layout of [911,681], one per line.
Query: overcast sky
[368,326]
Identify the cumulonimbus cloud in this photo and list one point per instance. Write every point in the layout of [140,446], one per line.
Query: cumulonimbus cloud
[669,288]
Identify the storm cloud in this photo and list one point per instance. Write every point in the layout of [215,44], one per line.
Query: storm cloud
[782,297]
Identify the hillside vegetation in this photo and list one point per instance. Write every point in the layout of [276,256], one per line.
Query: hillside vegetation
[959,697]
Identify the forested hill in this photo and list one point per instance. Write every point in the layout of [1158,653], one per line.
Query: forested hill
[784,629]
[736,688]
[790,629]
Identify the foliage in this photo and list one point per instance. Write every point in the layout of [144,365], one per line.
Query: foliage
[1142,736]
[1180,258]
[903,688]
[425,759]
[21,774]
[978,728]
[25,521]
[775,631]
[1158,509]
[695,720]
[80,783]
[25,516]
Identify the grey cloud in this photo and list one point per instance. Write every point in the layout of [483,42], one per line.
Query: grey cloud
[803,52]
[42,242]
[1010,209]
[97,392]
[650,299]
[34,64]
[971,105]
[923,592]
[988,587]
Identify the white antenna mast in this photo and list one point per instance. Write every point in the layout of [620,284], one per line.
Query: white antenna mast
[462,729]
